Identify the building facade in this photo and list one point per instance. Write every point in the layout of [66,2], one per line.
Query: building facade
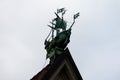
[63,68]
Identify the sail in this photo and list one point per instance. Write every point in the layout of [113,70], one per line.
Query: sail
[60,24]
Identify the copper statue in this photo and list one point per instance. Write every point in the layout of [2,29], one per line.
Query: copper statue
[59,37]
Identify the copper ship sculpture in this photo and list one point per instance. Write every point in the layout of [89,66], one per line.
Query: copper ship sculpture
[59,36]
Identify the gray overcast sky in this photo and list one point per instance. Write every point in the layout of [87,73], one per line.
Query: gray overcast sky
[95,39]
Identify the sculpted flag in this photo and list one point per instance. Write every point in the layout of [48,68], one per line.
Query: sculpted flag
[76,15]
[60,10]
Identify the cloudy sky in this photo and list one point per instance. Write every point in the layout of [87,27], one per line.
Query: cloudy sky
[95,39]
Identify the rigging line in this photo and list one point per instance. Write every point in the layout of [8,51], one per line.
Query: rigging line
[72,24]
[48,35]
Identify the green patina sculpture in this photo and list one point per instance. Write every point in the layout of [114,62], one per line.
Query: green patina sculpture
[59,37]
